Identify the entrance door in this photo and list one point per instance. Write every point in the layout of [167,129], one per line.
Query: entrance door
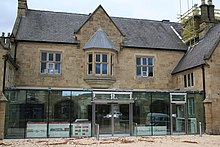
[178,119]
[178,113]
[113,119]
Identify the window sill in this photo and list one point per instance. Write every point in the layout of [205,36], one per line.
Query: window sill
[99,81]
[50,75]
[141,77]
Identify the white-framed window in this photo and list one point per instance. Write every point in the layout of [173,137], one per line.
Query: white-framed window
[100,63]
[50,62]
[188,80]
[144,66]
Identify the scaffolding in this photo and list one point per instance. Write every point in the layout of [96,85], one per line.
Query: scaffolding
[190,22]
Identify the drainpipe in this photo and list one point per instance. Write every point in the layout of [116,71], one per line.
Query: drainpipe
[15,53]
[4,73]
[203,81]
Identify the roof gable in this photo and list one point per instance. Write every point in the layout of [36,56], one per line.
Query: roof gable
[99,40]
[91,15]
[196,56]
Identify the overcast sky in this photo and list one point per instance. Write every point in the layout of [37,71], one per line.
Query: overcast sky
[144,9]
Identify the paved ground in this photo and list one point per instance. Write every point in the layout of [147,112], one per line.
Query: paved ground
[147,141]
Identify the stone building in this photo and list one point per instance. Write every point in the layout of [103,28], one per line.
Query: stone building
[70,72]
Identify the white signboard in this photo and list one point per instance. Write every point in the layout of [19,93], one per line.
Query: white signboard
[36,129]
[81,129]
[59,129]
[147,130]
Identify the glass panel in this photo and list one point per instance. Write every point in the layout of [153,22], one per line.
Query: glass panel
[104,68]
[90,58]
[144,61]
[89,68]
[138,71]
[43,56]
[195,113]
[192,79]
[160,113]
[104,58]
[122,96]
[61,106]
[97,58]
[97,69]
[185,81]
[178,97]
[58,57]
[141,113]
[150,72]
[138,61]
[144,72]
[50,68]
[51,57]
[43,68]
[15,114]
[36,113]
[103,96]
[81,116]
[150,61]
[57,68]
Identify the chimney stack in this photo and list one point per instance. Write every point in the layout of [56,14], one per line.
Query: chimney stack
[22,7]
[207,17]
[211,11]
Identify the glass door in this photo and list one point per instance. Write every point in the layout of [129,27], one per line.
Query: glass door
[103,117]
[113,119]
[121,119]
[178,119]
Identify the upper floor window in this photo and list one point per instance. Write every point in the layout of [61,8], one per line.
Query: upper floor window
[100,63]
[188,80]
[145,66]
[50,63]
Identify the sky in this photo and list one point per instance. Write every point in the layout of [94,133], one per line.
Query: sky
[141,9]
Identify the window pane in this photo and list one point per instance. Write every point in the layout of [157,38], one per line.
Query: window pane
[138,61]
[97,68]
[185,81]
[57,57]
[57,68]
[43,67]
[150,61]
[144,61]
[104,68]
[97,58]
[104,58]
[192,79]
[50,68]
[150,72]
[144,71]
[43,56]
[50,56]
[138,71]
[89,68]
[90,58]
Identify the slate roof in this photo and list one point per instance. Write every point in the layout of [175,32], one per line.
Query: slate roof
[196,56]
[100,40]
[47,26]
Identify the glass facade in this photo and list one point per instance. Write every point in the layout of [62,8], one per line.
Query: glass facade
[58,113]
